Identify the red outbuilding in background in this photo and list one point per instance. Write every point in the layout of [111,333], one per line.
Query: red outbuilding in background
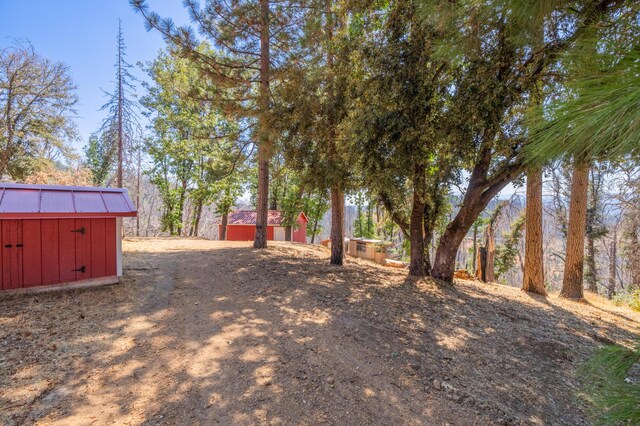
[60,235]
[241,226]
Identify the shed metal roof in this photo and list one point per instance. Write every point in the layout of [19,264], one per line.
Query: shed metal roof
[18,201]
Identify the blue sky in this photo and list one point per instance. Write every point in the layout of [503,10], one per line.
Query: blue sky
[82,34]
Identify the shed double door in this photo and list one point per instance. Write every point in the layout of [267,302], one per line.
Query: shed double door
[50,251]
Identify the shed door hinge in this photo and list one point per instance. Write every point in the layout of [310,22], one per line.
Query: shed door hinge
[80,231]
[82,269]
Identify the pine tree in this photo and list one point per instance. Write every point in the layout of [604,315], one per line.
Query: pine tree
[253,44]
[533,280]
[120,130]
[572,287]
[311,107]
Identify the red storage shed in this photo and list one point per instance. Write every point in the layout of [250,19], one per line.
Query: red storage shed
[241,226]
[61,235]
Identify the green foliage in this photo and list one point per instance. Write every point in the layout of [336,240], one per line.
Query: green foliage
[193,147]
[315,206]
[226,192]
[235,71]
[595,114]
[614,398]
[37,100]
[99,158]
[631,299]
[363,226]
[310,108]
[398,94]
[507,252]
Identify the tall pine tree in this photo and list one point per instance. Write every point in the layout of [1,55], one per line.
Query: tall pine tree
[120,130]
[254,42]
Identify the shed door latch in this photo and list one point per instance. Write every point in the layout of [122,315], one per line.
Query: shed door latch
[82,269]
[80,231]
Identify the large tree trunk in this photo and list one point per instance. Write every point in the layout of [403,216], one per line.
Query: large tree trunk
[337,195]
[417,253]
[613,266]
[480,191]
[262,209]
[533,280]
[264,149]
[572,287]
[445,259]
[223,227]
[337,222]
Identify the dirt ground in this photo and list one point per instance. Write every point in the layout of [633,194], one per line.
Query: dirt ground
[205,332]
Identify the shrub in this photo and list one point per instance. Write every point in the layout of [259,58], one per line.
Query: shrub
[630,299]
[615,397]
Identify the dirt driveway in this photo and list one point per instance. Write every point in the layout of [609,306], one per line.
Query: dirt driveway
[203,332]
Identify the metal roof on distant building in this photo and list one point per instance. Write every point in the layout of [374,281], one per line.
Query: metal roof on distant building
[248,217]
[19,201]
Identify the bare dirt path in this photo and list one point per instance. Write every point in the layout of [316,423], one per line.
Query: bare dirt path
[204,332]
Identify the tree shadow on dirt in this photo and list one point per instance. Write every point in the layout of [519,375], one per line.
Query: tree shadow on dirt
[239,336]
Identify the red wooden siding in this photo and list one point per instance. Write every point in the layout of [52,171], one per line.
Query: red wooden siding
[98,249]
[50,251]
[31,252]
[83,248]
[110,244]
[244,232]
[11,255]
[300,234]
[248,232]
[67,247]
[51,261]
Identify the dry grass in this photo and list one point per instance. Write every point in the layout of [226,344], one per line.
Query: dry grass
[202,332]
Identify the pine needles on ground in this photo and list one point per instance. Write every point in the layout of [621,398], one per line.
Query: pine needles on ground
[615,397]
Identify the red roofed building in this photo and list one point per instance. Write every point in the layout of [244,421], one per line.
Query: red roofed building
[241,226]
[60,235]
